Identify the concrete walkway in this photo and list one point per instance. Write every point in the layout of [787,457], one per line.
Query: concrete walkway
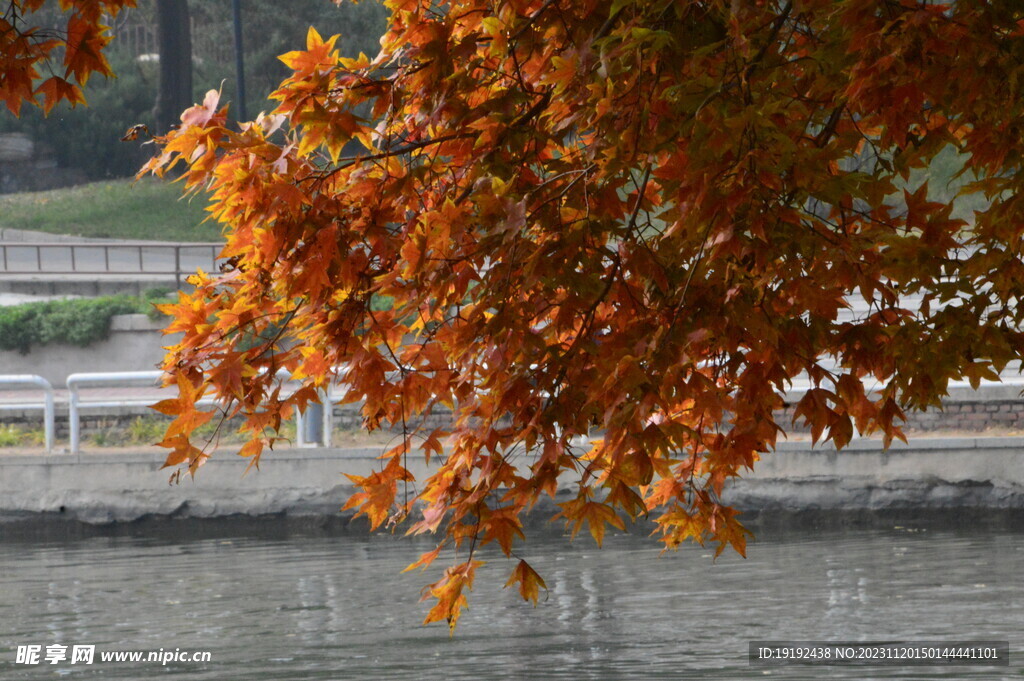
[8,299]
[9,396]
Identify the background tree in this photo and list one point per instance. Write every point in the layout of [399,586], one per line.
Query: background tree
[640,217]
[86,138]
[174,36]
[268,31]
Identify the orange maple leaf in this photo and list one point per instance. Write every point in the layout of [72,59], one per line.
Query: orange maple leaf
[529,581]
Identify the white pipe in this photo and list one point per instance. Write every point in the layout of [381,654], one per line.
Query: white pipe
[327,413]
[48,406]
[74,381]
[75,402]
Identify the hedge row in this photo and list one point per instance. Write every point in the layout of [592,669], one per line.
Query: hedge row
[77,322]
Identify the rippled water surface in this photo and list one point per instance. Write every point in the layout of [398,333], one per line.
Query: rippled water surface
[335,607]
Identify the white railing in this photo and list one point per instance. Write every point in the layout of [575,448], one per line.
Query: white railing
[77,381]
[47,404]
[77,401]
[305,436]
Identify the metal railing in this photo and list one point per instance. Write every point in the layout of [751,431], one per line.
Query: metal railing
[77,401]
[307,434]
[47,404]
[77,381]
[102,258]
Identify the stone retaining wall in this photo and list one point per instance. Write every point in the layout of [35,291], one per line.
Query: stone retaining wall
[135,344]
[974,416]
[960,473]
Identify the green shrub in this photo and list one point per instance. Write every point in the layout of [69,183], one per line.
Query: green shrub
[105,438]
[157,296]
[82,322]
[146,431]
[21,436]
[10,436]
[79,322]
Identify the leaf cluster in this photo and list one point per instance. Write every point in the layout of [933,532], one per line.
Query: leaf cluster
[643,220]
[43,65]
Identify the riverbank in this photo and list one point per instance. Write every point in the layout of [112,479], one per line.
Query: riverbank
[929,475]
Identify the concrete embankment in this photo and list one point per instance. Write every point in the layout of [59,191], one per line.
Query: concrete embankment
[124,486]
[928,474]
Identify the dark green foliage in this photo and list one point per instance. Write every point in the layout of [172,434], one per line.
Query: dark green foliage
[88,137]
[79,322]
[154,297]
[269,30]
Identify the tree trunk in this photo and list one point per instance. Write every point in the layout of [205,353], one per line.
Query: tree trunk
[175,41]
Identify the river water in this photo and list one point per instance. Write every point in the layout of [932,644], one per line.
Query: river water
[334,606]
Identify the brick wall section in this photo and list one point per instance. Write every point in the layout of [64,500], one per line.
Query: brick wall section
[955,415]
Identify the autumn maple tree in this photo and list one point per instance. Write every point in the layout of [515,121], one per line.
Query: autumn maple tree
[607,235]
[45,65]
